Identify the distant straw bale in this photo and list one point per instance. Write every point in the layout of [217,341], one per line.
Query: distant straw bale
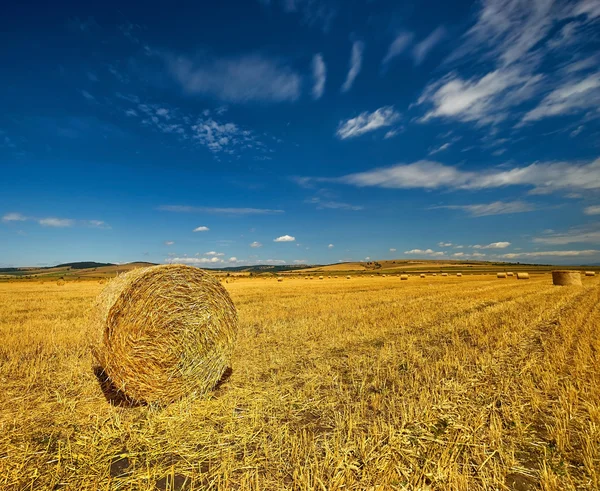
[501,275]
[403,277]
[522,276]
[509,273]
[163,332]
[320,277]
[422,275]
[347,277]
[458,274]
[590,273]
[61,282]
[566,278]
[279,279]
[444,274]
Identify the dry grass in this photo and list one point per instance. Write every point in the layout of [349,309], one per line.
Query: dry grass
[462,383]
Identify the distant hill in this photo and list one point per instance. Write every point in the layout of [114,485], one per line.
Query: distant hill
[83,265]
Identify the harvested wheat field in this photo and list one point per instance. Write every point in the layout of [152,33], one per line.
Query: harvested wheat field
[457,383]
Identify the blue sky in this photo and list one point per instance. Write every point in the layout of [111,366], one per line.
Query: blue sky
[282,131]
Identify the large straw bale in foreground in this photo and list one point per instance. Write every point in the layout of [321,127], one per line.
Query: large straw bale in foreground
[566,278]
[163,332]
[522,276]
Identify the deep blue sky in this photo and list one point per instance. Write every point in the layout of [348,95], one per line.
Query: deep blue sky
[347,130]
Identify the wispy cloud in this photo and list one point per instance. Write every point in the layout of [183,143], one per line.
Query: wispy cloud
[422,49]
[397,47]
[214,253]
[572,96]
[14,217]
[242,79]
[516,255]
[169,242]
[330,246]
[356,56]
[333,205]
[439,149]
[366,122]
[255,245]
[495,208]
[542,177]
[493,245]
[202,228]
[285,238]
[578,235]
[592,210]
[319,72]
[56,222]
[424,252]
[515,38]
[217,210]
[444,244]
[193,260]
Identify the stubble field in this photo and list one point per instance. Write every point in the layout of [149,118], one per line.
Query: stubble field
[370,383]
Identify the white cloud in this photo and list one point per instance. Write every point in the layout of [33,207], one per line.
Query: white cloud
[233,259]
[592,210]
[392,250]
[439,149]
[515,255]
[56,222]
[14,217]
[493,245]
[572,96]
[300,261]
[425,252]
[422,49]
[243,79]
[169,242]
[97,224]
[319,71]
[366,122]
[194,260]
[355,65]
[219,137]
[484,100]
[215,210]
[201,229]
[477,254]
[445,244]
[495,208]
[398,46]
[542,177]
[88,96]
[516,38]
[213,253]
[314,13]
[392,133]
[577,235]
[255,244]
[285,238]
[330,246]
[333,205]
[459,254]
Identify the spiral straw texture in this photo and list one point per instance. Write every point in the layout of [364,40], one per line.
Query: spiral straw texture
[163,332]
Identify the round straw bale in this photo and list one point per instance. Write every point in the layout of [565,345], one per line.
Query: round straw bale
[565,278]
[320,277]
[163,332]
[403,277]
[458,274]
[422,275]
[509,273]
[61,282]
[444,274]
[434,274]
[590,273]
[383,275]
[347,277]
[522,276]
[501,275]
[279,279]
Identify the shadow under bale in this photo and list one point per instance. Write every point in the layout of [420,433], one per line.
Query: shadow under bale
[111,393]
